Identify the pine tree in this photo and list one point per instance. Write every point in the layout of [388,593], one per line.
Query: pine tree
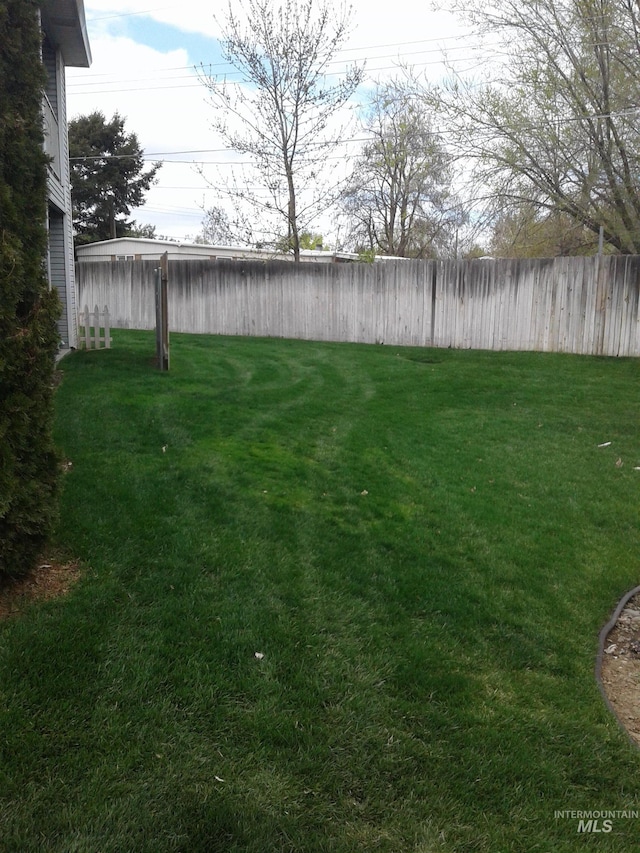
[107,177]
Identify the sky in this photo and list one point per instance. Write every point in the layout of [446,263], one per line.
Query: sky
[146,56]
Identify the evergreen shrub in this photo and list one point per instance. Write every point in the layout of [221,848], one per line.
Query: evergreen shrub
[29,470]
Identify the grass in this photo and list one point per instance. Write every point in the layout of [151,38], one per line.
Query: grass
[422,544]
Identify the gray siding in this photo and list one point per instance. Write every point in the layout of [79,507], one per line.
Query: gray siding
[71,301]
[61,259]
[50,61]
[58,269]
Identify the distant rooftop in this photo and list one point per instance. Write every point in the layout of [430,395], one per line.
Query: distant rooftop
[145,246]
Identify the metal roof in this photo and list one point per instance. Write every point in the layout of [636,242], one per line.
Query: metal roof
[64,23]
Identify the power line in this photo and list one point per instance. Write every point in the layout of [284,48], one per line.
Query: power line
[153,75]
[201,84]
[127,14]
[232,72]
[163,156]
[74,86]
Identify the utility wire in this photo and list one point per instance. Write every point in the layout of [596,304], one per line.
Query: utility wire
[74,86]
[201,66]
[162,156]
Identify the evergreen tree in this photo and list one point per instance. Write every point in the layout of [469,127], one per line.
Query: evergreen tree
[107,177]
[28,308]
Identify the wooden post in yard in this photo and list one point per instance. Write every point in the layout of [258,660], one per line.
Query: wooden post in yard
[162,313]
[164,267]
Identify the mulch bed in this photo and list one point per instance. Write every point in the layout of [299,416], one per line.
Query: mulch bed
[51,578]
[621,668]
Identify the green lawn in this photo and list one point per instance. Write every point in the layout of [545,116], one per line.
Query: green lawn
[423,545]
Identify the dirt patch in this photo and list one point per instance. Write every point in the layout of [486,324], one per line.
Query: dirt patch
[51,578]
[620,672]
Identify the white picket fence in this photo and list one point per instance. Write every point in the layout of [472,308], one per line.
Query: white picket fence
[94,330]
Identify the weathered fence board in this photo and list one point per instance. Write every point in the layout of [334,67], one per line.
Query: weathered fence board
[579,305]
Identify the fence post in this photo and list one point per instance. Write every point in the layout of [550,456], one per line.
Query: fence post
[162,313]
[87,328]
[107,328]
[97,337]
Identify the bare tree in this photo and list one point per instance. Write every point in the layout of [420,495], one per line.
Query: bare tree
[399,199]
[283,112]
[216,230]
[558,126]
[528,232]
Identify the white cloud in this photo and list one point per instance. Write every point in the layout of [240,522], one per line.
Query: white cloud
[195,16]
[374,22]
[165,108]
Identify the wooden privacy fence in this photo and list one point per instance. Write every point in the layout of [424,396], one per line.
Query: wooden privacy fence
[94,328]
[579,305]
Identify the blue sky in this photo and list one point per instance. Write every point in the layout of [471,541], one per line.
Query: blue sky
[145,54]
[200,48]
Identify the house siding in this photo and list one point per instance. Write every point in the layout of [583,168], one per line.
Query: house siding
[71,300]
[58,269]
[61,258]
[49,60]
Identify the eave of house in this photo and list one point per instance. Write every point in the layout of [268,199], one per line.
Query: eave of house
[64,23]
